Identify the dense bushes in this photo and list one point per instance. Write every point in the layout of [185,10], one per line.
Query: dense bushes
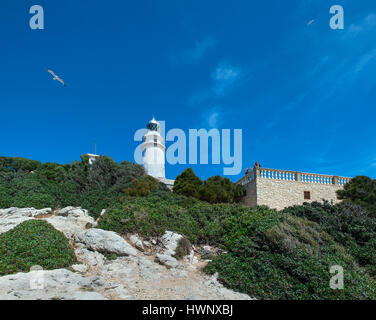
[270,254]
[187,184]
[34,242]
[214,190]
[349,224]
[361,191]
[200,222]
[27,183]
[291,260]
[220,190]
[18,164]
[142,187]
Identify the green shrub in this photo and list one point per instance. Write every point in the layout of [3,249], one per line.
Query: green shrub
[291,260]
[142,187]
[110,256]
[187,184]
[34,242]
[361,191]
[349,224]
[270,254]
[183,248]
[12,164]
[220,190]
[28,183]
[214,190]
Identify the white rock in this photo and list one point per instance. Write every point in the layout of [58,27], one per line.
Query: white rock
[140,246]
[43,212]
[90,258]
[149,270]
[80,268]
[26,212]
[60,284]
[192,258]
[88,296]
[147,244]
[12,217]
[213,284]
[134,275]
[194,297]
[120,293]
[137,242]
[71,221]
[167,260]
[134,238]
[105,242]
[64,212]
[122,268]
[170,241]
[9,222]
[207,249]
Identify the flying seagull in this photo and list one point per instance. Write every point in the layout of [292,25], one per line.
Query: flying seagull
[56,77]
[310,22]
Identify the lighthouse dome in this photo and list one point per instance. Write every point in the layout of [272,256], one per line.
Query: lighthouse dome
[153,125]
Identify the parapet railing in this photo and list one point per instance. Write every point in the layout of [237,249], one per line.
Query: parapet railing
[286,175]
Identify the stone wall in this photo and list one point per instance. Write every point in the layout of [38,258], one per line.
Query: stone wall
[279,189]
[250,198]
[278,194]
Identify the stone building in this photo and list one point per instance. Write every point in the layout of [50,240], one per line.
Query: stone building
[92,157]
[279,189]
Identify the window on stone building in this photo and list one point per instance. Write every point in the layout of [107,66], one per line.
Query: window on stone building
[307,195]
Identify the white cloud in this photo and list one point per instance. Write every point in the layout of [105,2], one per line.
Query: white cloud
[364,25]
[194,54]
[365,60]
[371,19]
[213,120]
[355,28]
[225,76]
[198,98]
[200,49]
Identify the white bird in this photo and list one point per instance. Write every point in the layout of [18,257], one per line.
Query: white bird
[56,77]
[310,22]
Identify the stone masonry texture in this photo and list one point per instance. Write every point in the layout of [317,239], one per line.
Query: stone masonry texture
[279,194]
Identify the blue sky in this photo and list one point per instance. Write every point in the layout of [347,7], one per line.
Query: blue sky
[304,96]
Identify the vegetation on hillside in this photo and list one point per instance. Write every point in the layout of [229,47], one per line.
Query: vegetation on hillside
[214,190]
[362,191]
[200,222]
[292,258]
[28,183]
[267,254]
[270,254]
[31,243]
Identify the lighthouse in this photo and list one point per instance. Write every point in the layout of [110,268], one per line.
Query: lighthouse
[153,153]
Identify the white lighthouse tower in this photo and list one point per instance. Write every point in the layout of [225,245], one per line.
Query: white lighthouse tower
[153,153]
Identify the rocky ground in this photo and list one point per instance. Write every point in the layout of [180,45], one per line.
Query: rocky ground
[142,269]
